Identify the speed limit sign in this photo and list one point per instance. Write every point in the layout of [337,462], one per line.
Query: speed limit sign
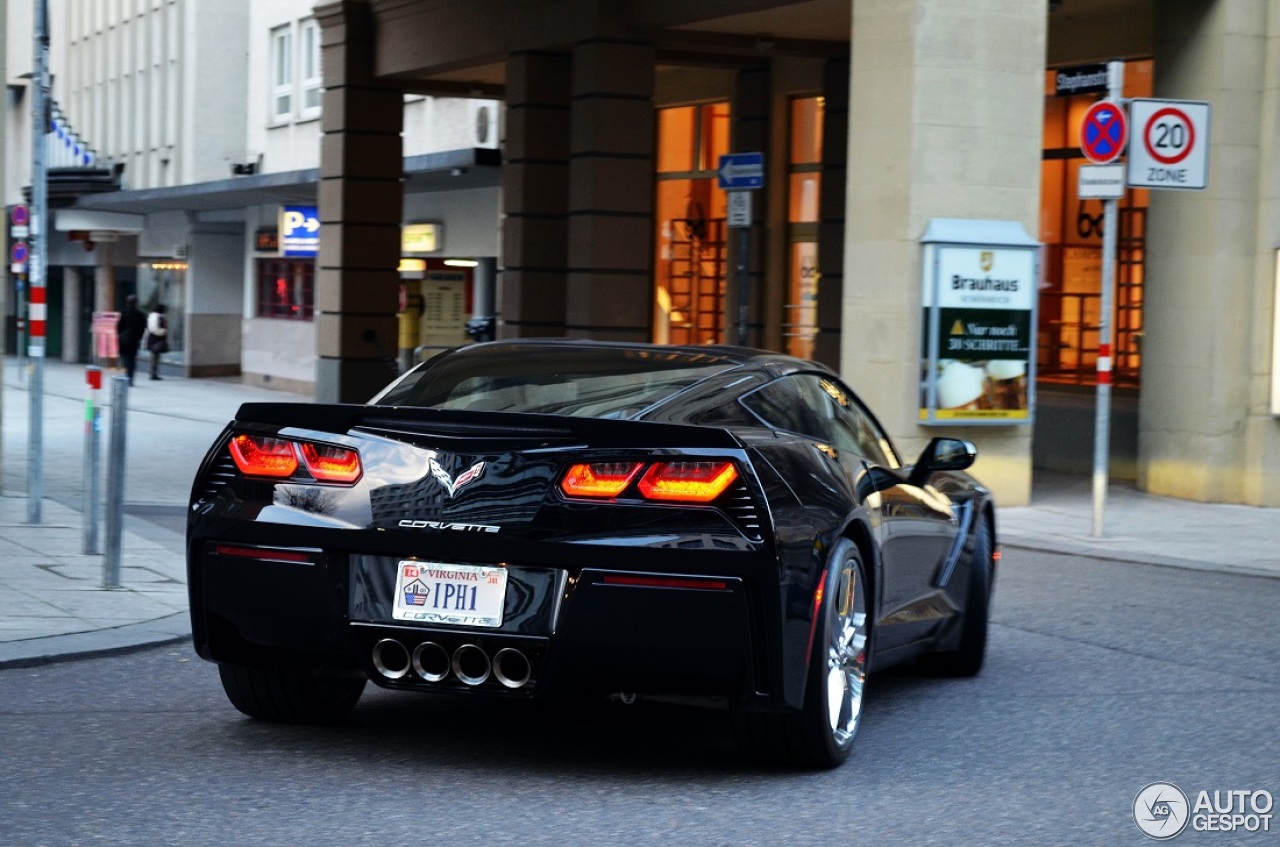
[1170,146]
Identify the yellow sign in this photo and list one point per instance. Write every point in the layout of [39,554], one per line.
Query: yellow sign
[420,238]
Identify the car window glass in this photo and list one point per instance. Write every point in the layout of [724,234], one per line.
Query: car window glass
[581,382]
[780,405]
[849,424]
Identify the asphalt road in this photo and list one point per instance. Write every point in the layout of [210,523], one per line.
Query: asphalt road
[1102,678]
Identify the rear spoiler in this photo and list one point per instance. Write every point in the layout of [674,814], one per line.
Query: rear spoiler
[471,426]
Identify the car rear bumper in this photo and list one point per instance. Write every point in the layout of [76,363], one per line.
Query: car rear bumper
[567,630]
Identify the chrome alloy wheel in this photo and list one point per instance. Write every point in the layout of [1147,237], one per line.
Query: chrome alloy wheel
[847,656]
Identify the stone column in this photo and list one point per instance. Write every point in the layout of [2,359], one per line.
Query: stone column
[104,281]
[361,205]
[535,197]
[1205,431]
[947,105]
[610,290]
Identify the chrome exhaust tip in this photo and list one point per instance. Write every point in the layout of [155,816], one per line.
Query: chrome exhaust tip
[470,664]
[511,667]
[391,658]
[430,661]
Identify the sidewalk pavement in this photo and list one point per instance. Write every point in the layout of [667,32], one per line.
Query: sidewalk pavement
[53,606]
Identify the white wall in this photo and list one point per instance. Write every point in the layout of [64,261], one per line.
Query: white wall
[471,219]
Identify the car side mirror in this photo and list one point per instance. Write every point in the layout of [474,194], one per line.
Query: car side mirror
[942,454]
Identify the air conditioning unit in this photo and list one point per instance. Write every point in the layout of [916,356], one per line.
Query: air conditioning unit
[484,120]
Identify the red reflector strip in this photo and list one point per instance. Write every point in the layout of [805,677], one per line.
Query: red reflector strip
[689,482]
[666,582]
[599,479]
[813,621]
[331,464]
[263,554]
[261,455]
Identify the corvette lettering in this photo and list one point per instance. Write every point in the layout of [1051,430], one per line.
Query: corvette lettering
[456,527]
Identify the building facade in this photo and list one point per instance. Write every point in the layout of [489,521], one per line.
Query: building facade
[200,126]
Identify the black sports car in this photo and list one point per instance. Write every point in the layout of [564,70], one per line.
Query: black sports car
[555,518]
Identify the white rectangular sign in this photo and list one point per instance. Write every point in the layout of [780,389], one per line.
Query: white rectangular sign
[739,209]
[1169,144]
[1101,182]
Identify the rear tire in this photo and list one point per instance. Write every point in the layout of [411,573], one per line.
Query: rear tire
[967,658]
[290,695]
[821,734]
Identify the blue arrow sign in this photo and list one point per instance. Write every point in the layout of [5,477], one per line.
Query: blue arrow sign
[741,170]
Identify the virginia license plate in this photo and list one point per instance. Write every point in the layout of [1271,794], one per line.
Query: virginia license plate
[456,595]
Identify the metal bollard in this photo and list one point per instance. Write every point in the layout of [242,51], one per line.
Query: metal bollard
[92,427]
[115,481]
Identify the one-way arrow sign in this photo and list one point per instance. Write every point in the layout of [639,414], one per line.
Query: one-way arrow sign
[741,170]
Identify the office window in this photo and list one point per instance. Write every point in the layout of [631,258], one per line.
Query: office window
[282,73]
[312,84]
[286,289]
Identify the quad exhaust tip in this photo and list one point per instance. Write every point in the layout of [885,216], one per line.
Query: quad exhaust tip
[469,664]
[391,658]
[430,661]
[511,667]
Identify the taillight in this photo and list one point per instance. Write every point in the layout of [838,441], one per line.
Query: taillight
[685,482]
[689,482]
[599,479]
[331,464]
[265,455]
[262,455]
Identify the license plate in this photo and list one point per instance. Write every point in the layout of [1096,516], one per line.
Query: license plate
[455,595]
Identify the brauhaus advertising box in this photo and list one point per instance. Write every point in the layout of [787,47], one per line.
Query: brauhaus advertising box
[978,355]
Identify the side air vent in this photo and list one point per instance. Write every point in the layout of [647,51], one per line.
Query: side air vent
[741,507]
[221,471]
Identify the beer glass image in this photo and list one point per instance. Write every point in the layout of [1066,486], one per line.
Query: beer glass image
[1006,384]
[961,386]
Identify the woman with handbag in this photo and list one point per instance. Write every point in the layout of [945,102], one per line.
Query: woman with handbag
[157,338]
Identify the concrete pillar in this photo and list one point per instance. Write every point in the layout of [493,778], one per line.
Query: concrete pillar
[535,196]
[1205,430]
[361,205]
[104,281]
[71,324]
[610,290]
[947,106]
[831,210]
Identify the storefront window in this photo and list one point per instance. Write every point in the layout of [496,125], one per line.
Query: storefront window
[804,190]
[1071,230]
[689,261]
[286,289]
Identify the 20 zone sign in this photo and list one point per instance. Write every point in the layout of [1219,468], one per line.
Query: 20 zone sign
[1171,144]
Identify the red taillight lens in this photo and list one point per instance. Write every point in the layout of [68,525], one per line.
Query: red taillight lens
[262,455]
[599,479]
[689,482]
[331,464]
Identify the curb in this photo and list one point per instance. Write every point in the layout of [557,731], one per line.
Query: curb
[129,638]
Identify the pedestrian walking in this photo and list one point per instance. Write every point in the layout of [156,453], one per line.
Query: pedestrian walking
[130,328]
[157,338]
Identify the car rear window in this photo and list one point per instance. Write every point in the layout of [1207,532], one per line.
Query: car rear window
[573,380]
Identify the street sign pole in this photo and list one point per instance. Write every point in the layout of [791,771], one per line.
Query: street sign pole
[38,312]
[740,174]
[1102,421]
